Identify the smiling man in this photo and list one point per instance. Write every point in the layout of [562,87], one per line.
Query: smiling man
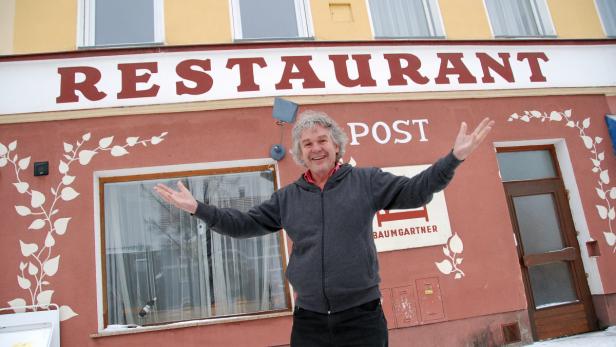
[318,151]
[328,215]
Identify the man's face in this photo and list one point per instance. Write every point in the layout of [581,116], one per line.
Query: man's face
[318,150]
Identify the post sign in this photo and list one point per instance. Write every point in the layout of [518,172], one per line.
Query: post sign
[421,227]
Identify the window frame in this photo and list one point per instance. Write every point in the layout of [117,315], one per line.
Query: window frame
[548,27]
[431,9]
[169,172]
[303,16]
[530,148]
[607,35]
[86,24]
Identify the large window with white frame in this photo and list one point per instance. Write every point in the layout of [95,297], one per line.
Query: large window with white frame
[607,12]
[162,265]
[271,19]
[120,23]
[520,18]
[406,19]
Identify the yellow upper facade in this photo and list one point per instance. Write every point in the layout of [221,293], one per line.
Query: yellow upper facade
[31,26]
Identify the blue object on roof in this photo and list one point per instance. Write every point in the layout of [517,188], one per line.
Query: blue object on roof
[611,127]
[284,110]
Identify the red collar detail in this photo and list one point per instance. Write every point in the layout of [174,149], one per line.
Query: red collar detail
[308,175]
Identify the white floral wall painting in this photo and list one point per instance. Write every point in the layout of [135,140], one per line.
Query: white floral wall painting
[40,263]
[605,193]
[452,250]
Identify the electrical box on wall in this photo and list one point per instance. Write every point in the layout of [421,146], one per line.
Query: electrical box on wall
[405,306]
[413,305]
[430,300]
[388,308]
[41,168]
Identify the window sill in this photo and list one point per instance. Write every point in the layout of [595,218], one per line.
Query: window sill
[541,37]
[181,325]
[410,38]
[122,45]
[275,39]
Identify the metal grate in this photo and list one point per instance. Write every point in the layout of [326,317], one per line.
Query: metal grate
[511,333]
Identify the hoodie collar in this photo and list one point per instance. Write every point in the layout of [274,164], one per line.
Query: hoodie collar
[333,180]
[310,179]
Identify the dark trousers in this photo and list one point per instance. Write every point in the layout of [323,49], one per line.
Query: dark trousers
[364,325]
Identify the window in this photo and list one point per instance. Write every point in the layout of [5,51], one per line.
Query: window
[525,165]
[120,23]
[520,18]
[607,11]
[271,19]
[162,265]
[406,19]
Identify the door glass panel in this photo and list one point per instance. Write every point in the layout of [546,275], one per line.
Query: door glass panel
[538,223]
[525,165]
[551,284]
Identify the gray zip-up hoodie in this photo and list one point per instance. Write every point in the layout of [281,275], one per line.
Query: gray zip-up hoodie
[333,264]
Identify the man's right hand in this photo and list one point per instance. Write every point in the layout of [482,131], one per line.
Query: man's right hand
[182,198]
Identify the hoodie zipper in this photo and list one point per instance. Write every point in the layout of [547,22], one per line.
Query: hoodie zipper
[323,253]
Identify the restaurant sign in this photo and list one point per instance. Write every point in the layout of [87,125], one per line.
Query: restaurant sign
[78,81]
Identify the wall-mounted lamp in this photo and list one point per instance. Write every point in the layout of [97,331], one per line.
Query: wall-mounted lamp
[284,112]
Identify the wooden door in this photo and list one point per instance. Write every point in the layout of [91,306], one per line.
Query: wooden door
[559,301]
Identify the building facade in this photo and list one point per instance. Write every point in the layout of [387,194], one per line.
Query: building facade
[101,100]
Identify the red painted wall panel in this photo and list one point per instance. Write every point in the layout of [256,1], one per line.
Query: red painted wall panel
[475,199]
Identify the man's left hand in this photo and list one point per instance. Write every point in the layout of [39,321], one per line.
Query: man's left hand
[466,143]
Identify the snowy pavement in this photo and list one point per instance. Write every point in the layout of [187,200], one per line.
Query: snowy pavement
[605,338]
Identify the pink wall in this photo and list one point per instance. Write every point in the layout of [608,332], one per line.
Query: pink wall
[475,200]
[611,102]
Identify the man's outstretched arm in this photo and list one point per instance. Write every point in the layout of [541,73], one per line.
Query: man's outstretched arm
[259,220]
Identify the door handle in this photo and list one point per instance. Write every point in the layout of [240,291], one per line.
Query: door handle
[565,254]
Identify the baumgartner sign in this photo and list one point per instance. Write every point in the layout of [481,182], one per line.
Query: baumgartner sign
[42,85]
[401,229]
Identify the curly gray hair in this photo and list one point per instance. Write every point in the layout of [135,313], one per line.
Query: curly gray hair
[309,119]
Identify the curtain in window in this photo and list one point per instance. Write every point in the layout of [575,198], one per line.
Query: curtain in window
[265,19]
[124,22]
[249,268]
[156,253]
[405,18]
[519,18]
[607,10]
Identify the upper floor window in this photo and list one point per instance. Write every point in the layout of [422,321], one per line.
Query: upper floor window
[607,11]
[162,265]
[520,18]
[406,19]
[121,23]
[271,19]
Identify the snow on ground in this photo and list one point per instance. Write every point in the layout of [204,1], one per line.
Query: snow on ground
[605,338]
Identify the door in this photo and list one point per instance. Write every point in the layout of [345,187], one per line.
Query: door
[559,301]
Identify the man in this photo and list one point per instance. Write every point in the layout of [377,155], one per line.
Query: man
[328,215]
